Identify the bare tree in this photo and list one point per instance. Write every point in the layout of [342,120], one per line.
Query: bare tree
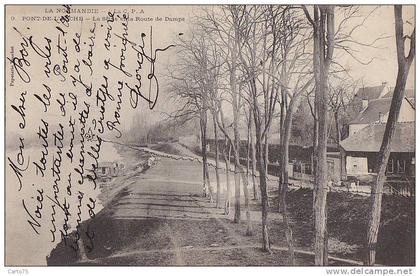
[251,152]
[227,157]
[257,51]
[193,84]
[215,62]
[217,167]
[291,37]
[340,95]
[220,23]
[283,174]
[404,64]
[310,101]
[323,39]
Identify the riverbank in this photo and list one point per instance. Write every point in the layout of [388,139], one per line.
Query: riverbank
[109,189]
[159,218]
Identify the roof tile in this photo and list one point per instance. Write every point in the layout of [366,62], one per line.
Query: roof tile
[369,139]
[371,113]
[370,93]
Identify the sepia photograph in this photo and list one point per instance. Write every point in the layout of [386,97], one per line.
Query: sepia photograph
[210,136]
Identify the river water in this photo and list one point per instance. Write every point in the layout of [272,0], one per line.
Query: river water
[23,245]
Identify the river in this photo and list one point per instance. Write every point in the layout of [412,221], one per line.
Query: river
[23,245]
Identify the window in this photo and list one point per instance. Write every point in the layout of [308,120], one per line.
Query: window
[390,168]
[401,166]
[103,170]
[412,167]
[382,117]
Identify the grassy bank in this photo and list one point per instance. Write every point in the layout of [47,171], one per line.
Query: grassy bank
[347,225]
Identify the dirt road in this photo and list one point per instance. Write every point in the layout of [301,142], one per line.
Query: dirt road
[160,218]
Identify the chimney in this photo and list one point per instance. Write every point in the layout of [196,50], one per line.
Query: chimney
[381,118]
[365,104]
[384,91]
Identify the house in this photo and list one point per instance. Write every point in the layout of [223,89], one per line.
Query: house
[366,94]
[108,169]
[377,112]
[408,93]
[359,152]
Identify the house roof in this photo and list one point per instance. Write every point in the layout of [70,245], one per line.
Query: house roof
[371,113]
[106,164]
[369,138]
[409,93]
[370,93]
[381,105]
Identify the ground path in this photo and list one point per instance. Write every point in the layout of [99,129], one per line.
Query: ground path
[160,218]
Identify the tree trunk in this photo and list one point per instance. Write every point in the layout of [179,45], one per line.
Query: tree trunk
[324,23]
[253,161]
[227,165]
[266,151]
[337,129]
[247,207]
[238,173]
[245,181]
[216,139]
[203,155]
[207,190]
[264,198]
[280,149]
[211,197]
[284,175]
[314,145]
[248,145]
[236,96]
[237,216]
[404,64]
[266,160]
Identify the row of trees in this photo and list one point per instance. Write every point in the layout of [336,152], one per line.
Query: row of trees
[252,66]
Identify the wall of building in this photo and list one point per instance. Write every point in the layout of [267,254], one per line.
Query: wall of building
[363,163]
[356,165]
[407,114]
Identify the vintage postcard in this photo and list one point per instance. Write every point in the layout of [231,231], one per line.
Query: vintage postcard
[210,135]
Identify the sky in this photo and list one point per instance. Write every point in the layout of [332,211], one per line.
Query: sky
[384,66]
[381,56]
[380,23]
